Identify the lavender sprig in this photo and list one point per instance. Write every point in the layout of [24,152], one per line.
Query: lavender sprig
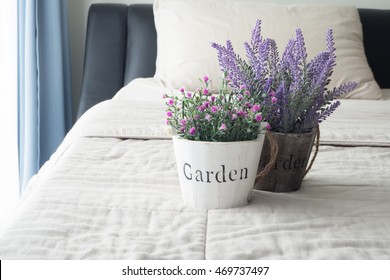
[293,90]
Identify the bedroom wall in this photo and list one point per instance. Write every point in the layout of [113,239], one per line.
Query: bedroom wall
[78,11]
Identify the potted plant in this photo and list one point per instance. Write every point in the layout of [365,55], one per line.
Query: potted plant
[218,141]
[299,98]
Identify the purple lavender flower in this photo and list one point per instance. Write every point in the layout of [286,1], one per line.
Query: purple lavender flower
[293,91]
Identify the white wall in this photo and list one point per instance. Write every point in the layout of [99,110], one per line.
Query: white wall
[78,11]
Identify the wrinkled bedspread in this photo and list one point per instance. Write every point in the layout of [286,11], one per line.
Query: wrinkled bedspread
[111,191]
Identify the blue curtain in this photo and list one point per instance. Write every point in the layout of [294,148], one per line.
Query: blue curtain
[44,85]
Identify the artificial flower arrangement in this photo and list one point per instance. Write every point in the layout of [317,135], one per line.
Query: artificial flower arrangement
[231,115]
[300,99]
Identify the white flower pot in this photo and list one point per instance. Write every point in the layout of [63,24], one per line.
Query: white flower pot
[217,174]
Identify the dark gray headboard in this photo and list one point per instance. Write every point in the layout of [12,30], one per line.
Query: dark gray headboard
[121,46]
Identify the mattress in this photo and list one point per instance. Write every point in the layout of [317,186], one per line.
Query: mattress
[111,191]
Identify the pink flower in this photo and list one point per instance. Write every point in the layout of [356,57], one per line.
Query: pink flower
[208,117]
[268,126]
[205,79]
[212,98]
[256,108]
[206,104]
[205,91]
[246,92]
[240,112]
[214,109]
[183,121]
[242,87]
[234,117]
[192,131]
[201,108]
[189,94]
[272,93]
[169,114]
[167,121]
[170,102]
[223,127]
[274,100]
[183,129]
[164,95]
[248,105]
[258,117]
[239,96]
[181,89]
[196,117]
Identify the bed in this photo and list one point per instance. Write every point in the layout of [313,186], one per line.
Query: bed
[111,190]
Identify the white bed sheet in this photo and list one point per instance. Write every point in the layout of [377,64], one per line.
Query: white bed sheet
[109,194]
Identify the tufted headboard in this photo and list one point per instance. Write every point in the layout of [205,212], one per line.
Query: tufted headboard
[121,46]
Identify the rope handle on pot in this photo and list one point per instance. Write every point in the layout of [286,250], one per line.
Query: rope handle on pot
[317,145]
[270,164]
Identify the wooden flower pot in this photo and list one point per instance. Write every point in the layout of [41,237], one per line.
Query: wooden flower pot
[217,174]
[291,161]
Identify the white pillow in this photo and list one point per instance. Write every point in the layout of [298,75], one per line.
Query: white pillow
[186,29]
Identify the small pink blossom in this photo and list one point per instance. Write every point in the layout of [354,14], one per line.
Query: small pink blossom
[208,117]
[246,92]
[258,117]
[167,121]
[206,104]
[169,114]
[205,79]
[234,117]
[192,131]
[201,108]
[206,91]
[242,87]
[183,129]
[272,93]
[183,121]
[189,94]
[268,126]
[248,105]
[214,109]
[274,100]
[196,117]
[256,108]
[240,113]
[212,98]
[164,95]
[170,102]
[239,96]
[181,90]
[223,127]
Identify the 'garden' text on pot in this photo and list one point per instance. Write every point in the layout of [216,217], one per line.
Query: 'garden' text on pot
[220,175]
